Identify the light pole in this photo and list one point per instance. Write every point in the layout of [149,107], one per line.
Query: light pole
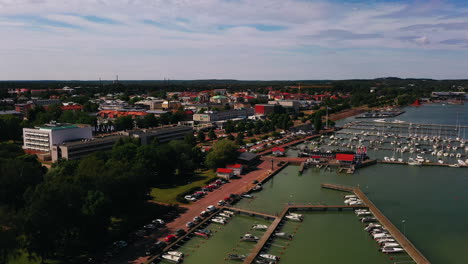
[404,226]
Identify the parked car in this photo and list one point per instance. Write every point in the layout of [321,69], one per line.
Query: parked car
[158,222]
[190,224]
[204,213]
[170,238]
[221,202]
[156,248]
[211,208]
[190,198]
[150,226]
[180,232]
[197,219]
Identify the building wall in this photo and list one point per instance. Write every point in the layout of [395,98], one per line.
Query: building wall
[224,115]
[77,150]
[62,135]
[42,139]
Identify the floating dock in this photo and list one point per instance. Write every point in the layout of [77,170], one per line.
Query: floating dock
[412,251]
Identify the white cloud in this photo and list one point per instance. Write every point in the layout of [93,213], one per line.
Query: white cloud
[186,36]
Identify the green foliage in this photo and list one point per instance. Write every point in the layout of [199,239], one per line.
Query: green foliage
[201,136]
[212,134]
[318,122]
[123,123]
[223,152]
[10,128]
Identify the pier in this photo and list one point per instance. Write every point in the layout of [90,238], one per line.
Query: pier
[412,251]
[266,236]
[250,213]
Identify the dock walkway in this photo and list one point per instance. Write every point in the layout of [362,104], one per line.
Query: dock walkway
[261,243]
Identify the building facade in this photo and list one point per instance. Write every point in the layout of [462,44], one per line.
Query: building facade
[73,150]
[41,139]
[213,116]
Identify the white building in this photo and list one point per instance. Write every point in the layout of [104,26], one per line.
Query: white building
[42,138]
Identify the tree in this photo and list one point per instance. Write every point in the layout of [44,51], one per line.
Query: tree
[150,120]
[201,136]
[123,123]
[231,137]
[212,134]
[224,151]
[189,139]
[240,139]
[318,122]
[10,127]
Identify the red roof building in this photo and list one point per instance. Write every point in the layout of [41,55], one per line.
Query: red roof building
[225,173]
[72,107]
[345,157]
[236,168]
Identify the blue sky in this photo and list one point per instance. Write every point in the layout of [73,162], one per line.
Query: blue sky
[238,39]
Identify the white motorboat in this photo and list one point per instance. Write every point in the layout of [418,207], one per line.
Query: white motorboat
[249,238]
[380,235]
[236,257]
[283,235]
[225,215]
[390,244]
[293,218]
[365,213]
[412,162]
[257,187]
[296,215]
[269,257]
[171,258]
[218,221]
[176,253]
[385,240]
[368,219]
[360,210]
[259,227]
[454,165]
[372,226]
[461,162]
[357,202]
[393,250]
[440,161]
[228,212]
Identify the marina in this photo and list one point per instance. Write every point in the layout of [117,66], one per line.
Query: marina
[295,193]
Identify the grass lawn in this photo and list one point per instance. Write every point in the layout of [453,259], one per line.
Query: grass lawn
[168,194]
[21,257]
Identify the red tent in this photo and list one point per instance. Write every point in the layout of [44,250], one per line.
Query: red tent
[416,103]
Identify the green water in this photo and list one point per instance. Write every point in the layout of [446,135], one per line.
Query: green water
[328,237]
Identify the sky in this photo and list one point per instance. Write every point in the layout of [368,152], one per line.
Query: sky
[232,39]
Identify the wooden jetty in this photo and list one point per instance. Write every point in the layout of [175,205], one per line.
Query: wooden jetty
[337,187]
[412,251]
[266,236]
[250,213]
